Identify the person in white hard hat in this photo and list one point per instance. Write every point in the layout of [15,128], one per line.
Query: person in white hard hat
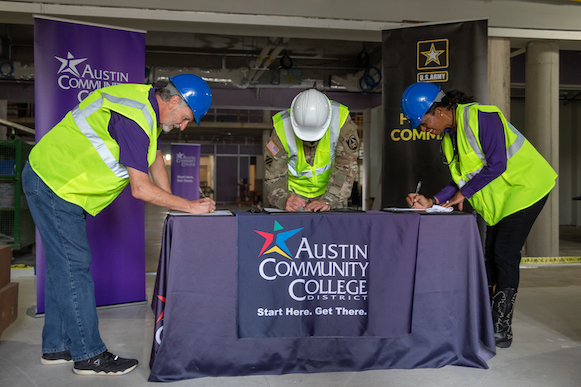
[311,156]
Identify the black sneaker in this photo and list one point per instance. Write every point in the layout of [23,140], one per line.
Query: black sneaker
[104,364]
[56,358]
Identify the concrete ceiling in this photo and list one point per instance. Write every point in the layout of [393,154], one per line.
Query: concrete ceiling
[325,43]
[321,38]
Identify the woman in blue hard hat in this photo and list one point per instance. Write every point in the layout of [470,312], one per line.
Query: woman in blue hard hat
[501,174]
[80,166]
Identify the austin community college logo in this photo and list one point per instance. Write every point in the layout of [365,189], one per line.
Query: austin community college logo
[316,271]
[185,160]
[77,74]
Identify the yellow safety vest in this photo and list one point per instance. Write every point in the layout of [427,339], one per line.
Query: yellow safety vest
[306,180]
[79,160]
[528,176]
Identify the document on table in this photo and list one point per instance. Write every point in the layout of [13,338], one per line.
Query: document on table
[269,210]
[404,209]
[215,213]
[272,210]
[334,210]
[434,208]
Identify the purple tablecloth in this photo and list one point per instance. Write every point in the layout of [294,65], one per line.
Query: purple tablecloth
[195,301]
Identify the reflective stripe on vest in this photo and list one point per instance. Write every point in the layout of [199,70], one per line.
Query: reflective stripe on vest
[528,176]
[292,144]
[474,144]
[80,118]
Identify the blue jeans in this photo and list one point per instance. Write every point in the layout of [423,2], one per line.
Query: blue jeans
[70,319]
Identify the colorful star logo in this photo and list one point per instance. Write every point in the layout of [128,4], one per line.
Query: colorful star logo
[280,246]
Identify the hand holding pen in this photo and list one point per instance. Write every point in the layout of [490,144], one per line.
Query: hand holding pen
[417,192]
[294,202]
[205,199]
[415,198]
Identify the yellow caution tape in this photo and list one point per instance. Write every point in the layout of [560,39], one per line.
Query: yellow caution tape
[21,267]
[547,260]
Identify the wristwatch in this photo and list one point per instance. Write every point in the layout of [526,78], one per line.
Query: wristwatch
[433,201]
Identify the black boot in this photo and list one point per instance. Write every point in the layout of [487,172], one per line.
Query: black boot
[502,308]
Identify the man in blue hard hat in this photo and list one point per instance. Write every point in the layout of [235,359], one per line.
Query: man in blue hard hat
[80,166]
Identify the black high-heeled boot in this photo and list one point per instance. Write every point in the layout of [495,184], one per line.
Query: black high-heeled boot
[502,310]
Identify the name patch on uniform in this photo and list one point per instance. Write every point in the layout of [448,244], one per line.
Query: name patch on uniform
[272,148]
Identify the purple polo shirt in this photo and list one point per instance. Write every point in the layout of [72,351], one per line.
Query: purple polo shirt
[491,136]
[133,141]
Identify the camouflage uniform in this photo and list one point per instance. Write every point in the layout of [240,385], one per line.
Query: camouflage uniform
[342,175]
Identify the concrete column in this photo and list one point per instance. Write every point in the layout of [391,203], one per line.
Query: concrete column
[542,130]
[576,164]
[498,88]
[374,148]
[499,74]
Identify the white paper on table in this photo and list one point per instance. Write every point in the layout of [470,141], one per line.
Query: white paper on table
[434,208]
[270,210]
[404,209]
[437,208]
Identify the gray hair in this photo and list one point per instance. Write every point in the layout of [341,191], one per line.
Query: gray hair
[168,91]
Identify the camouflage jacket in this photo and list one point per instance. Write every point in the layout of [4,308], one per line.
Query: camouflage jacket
[342,176]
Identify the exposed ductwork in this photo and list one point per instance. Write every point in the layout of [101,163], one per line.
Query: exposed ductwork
[265,59]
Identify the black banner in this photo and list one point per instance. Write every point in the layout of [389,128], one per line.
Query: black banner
[453,56]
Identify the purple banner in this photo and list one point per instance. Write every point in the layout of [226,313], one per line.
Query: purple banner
[303,276]
[185,170]
[71,60]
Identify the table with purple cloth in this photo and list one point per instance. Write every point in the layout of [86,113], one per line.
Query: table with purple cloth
[300,293]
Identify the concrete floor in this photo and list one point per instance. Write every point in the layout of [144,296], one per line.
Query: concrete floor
[546,350]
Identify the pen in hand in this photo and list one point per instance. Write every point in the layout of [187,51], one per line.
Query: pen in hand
[295,193]
[201,191]
[417,192]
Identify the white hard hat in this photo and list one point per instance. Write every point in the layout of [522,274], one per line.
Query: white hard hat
[310,115]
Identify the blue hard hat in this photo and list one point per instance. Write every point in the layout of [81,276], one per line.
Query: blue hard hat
[417,99]
[195,92]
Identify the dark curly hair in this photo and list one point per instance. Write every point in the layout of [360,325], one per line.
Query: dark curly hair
[451,100]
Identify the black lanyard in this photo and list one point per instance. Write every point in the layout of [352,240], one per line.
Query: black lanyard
[443,157]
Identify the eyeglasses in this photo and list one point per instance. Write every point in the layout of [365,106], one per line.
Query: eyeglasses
[443,157]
